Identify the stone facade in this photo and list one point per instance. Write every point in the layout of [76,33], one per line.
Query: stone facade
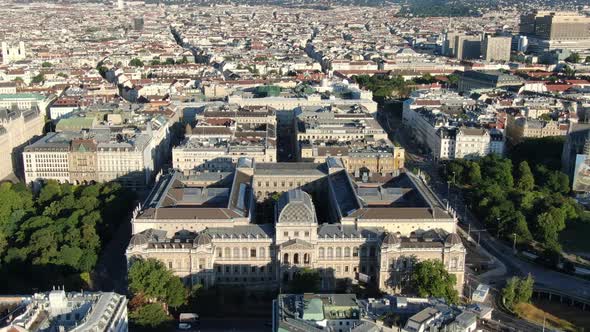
[17,127]
[203,228]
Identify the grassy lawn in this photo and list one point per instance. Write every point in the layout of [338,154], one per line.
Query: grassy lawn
[575,237]
[532,313]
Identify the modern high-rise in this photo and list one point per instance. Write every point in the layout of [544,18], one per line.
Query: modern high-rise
[496,48]
[467,47]
[556,30]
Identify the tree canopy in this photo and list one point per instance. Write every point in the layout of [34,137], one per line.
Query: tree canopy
[151,279]
[305,281]
[135,62]
[531,204]
[518,290]
[59,232]
[430,279]
[154,288]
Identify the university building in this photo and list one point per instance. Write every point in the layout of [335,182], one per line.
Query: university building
[202,226]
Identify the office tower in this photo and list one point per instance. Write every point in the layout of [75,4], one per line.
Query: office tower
[523,43]
[448,47]
[467,47]
[138,23]
[496,48]
[556,30]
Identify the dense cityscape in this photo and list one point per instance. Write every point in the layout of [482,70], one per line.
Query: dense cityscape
[294,165]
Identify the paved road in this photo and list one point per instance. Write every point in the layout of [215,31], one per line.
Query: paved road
[111,269]
[234,325]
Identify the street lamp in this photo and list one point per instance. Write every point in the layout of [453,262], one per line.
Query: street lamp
[514,243]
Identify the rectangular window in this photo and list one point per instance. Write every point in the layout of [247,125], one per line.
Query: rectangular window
[286,234]
[252,252]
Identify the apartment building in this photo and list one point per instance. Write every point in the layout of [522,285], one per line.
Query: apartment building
[520,128]
[58,310]
[128,155]
[446,138]
[17,128]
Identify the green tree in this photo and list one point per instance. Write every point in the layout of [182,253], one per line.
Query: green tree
[46,64]
[305,281]
[587,59]
[548,225]
[135,62]
[155,62]
[176,292]
[62,75]
[183,61]
[474,173]
[520,227]
[169,61]
[574,58]
[509,292]
[150,315]
[429,278]
[518,290]
[526,180]
[149,278]
[38,78]
[524,291]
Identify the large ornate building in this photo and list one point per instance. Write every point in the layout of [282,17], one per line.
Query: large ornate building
[202,226]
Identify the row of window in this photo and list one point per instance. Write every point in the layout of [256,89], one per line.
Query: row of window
[243,269]
[346,252]
[244,253]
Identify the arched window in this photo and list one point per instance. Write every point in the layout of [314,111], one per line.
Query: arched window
[226,252]
[454,262]
[219,253]
[286,258]
[330,252]
[262,252]
[236,252]
[321,252]
[306,258]
[244,252]
[295,258]
[338,252]
[346,252]
[355,252]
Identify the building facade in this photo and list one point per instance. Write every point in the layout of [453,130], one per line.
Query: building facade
[224,134]
[17,128]
[72,311]
[202,228]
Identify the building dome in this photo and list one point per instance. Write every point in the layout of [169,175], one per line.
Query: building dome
[202,239]
[453,239]
[391,239]
[138,240]
[296,206]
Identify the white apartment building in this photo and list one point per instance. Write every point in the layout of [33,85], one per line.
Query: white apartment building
[17,127]
[129,156]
